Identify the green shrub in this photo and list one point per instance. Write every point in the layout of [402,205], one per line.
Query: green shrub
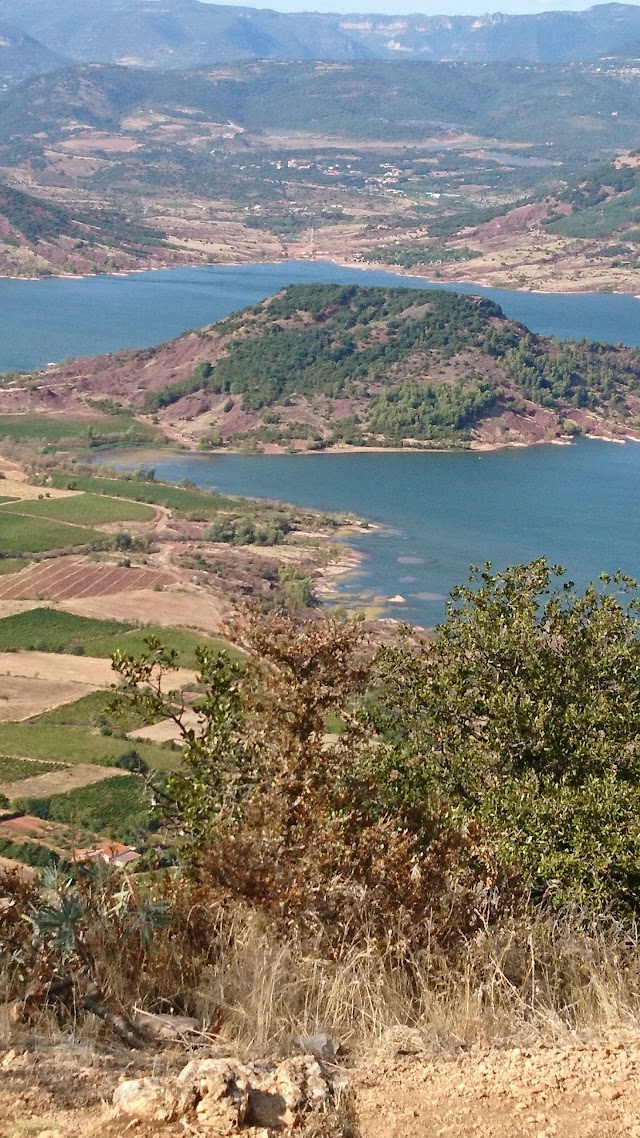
[523,717]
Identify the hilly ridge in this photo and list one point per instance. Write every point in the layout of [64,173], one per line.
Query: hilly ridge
[583,108]
[326,365]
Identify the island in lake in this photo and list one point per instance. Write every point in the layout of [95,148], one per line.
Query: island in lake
[325,366]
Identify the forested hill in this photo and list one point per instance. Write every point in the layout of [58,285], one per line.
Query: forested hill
[39,237]
[318,365]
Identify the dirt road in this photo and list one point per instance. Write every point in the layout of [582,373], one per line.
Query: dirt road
[548,1092]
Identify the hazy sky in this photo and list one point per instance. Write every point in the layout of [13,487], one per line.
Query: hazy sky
[432,7]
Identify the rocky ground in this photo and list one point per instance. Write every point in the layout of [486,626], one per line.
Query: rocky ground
[66,1090]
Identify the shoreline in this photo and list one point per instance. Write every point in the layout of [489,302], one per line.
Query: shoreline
[339,262]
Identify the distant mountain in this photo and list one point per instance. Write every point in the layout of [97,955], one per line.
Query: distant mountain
[22,56]
[577,109]
[188,33]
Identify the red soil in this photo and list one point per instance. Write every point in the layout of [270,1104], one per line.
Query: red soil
[74,577]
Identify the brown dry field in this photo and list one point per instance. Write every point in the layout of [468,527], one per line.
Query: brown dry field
[59,782]
[13,486]
[107,142]
[167,609]
[8,865]
[64,577]
[63,1090]
[21,697]
[166,731]
[57,668]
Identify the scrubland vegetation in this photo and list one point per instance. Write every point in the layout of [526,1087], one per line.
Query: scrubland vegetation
[463,857]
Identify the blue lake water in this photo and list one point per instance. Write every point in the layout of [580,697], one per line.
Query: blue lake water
[47,320]
[577,505]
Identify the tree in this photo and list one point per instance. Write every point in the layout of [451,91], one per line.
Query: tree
[275,815]
[524,717]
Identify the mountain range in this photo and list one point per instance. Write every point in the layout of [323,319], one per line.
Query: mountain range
[189,33]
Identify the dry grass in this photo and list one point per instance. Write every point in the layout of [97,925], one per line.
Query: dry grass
[543,980]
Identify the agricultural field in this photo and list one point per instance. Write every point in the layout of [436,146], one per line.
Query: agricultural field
[20,534]
[13,770]
[116,807]
[22,697]
[94,710]
[59,780]
[89,431]
[11,565]
[82,509]
[184,499]
[72,745]
[69,577]
[49,630]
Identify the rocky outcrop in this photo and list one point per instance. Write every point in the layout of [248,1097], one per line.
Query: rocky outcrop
[222,1095]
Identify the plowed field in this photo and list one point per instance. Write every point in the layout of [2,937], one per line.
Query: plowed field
[67,577]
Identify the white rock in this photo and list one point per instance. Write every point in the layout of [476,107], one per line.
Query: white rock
[152,1099]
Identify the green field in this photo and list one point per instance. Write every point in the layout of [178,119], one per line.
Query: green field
[77,745]
[34,535]
[47,630]
[85,509]
[4,498]
[115,807]
[134,642]
[181,498]
[92,711]
[79,432]
[11,565]
[11,770]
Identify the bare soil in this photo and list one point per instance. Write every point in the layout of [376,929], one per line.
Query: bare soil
[22,697]
[74,577]
[197,611]
[56,668]
[63,1090]
[166,731]
[58,782]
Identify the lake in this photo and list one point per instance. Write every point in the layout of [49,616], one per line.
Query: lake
[439,512]
[577,505]
[47,320]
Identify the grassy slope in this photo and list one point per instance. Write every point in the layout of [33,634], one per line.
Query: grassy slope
[35,535]
[179,498]
[85,509]
[53,429]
